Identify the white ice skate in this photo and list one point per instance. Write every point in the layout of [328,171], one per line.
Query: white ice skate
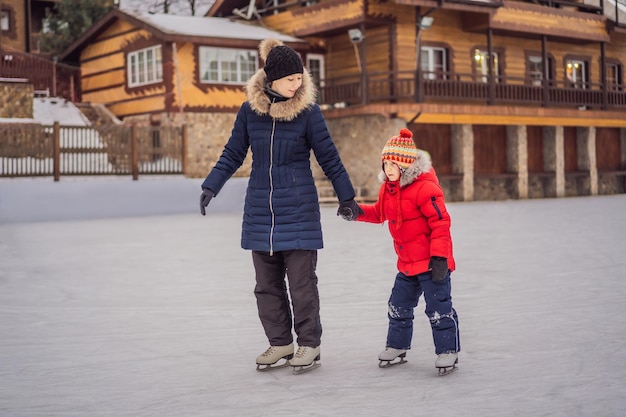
[305,359]
[446,362]
[391,356]
[268,359]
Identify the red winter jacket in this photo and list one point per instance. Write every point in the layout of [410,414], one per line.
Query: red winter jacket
[418,221]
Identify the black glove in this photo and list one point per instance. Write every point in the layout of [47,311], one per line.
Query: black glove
[349,210]
[205,199]
[439,268]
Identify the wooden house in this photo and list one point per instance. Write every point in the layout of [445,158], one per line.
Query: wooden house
[512,98]
[21,24]
[153,64]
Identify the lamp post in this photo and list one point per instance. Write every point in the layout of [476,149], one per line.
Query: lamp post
[356,37]
[423,23]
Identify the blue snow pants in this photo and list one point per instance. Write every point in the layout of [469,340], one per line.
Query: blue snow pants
[443,318]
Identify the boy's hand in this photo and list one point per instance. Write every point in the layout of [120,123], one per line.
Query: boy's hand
[349,210]
[439,268]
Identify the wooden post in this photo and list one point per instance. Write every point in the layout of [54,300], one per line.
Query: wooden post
[134,160]
[490,69]
[419,78]
[56,151]
[54,76]
[546,71]
[185,136]
[605,87]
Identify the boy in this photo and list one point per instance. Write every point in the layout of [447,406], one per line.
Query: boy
[412,202]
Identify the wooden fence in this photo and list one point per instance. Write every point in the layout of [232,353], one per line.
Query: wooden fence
[37,150]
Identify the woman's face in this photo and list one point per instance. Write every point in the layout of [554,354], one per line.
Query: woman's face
[287,86]
[392,171]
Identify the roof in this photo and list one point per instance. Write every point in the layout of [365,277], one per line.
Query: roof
[213,27]
[177,28]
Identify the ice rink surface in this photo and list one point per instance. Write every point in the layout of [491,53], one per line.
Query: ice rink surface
[118,299]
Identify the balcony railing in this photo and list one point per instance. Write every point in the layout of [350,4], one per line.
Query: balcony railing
[57,79]
[403,87]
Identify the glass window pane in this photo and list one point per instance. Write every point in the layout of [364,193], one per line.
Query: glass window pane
[149,66]
[233,66]
[4,20]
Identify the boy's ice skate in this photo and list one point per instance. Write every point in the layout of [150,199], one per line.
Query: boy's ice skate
[268,359]
[305,359]
[391,356]
[446,362]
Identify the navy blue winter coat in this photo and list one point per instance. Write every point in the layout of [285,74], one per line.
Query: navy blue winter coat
[281,210]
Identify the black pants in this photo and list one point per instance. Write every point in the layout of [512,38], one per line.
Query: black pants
[273,299]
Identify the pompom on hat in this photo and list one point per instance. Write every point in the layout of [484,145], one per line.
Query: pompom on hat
[280,60]
[401,149]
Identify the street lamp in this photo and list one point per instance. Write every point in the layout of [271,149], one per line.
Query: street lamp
[423,23]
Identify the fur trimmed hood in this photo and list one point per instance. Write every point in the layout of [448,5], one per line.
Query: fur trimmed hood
[282,110]
[422,164]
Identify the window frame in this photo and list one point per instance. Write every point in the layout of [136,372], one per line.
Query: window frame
[615,83]
[536,82]
[5,16]
[483,74]
[139,64]
[573,80]
[242,75]
[430,71]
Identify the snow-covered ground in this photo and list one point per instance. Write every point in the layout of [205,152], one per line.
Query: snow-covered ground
[118,299]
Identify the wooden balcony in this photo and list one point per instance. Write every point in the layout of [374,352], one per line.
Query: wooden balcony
[44,74]
[402,87]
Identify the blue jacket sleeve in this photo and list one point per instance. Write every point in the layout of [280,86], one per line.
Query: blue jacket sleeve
[233,155]
[327,154]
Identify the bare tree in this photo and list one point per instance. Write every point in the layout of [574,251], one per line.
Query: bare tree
[177,7]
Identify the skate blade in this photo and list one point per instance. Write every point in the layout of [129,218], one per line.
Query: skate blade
[272,366]
[300,369]
[447,370]
[388,364]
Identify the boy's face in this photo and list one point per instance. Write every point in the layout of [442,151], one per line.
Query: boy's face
[392,171]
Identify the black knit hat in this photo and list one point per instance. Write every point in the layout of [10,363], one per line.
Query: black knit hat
[280,60]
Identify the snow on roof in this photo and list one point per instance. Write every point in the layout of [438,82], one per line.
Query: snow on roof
[217,27]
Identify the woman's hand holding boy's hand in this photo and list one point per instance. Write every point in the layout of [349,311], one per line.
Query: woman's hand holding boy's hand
[349,210]
[439,268]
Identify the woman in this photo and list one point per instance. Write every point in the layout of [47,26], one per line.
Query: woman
[280,122]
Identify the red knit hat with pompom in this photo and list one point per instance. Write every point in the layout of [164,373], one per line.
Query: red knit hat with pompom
[401,149]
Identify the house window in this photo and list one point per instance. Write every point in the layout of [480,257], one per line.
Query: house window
[434,63]
[5,20]
[482,62]
[145,66]
[535,70]
[224,65]
[315,66]
[614,77]
[576,73]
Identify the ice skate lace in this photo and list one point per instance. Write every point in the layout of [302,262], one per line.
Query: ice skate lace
[302,351]
[270,351]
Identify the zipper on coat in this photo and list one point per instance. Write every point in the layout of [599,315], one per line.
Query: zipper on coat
[434,201]
[272,187]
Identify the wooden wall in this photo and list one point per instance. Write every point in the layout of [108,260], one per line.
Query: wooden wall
[436,140]
[15,39]
[534,140]
[608,151]
[103,65]
[489,150]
